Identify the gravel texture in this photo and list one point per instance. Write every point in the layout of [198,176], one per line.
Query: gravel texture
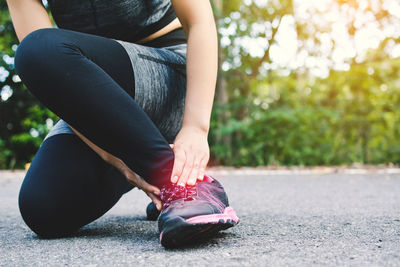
[287,218]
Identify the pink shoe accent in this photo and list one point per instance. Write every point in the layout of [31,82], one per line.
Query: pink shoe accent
[161,236]
[229,214]
[207,178]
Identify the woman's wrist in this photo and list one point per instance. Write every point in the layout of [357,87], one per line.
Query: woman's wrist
[202,129]
[197,116]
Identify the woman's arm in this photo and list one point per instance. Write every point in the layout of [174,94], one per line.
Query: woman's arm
[202,60]
[27,16]
[152,191]
[191,146]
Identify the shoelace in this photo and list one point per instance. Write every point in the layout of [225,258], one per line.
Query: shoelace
[173,192]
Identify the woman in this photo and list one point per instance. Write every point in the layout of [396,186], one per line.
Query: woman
[116,74]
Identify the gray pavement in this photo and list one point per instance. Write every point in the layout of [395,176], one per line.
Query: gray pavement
[287,218]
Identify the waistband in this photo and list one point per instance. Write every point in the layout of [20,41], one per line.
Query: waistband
[174,37]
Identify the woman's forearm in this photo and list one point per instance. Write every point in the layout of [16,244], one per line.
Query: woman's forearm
[107,157]
[27,16]
[202,67]
[133,178]
[198,22]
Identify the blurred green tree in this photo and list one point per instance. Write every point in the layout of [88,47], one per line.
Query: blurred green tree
[291,65]
[22,118]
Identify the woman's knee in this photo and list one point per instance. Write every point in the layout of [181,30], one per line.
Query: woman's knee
[41,211]
[32,50]
[40,54]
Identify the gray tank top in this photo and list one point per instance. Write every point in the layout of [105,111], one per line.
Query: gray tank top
[127,20]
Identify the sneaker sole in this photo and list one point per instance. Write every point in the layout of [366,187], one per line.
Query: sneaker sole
[178,231]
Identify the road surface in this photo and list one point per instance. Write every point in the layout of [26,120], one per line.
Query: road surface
[287,218]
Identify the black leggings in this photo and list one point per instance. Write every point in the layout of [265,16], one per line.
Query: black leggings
[87,80]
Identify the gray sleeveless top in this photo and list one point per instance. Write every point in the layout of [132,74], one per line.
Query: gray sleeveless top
[127,20]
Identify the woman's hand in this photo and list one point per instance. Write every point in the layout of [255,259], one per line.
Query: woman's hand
[192,153]
[152,191]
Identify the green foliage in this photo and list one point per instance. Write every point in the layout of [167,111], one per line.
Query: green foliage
[21,112]
[348,117]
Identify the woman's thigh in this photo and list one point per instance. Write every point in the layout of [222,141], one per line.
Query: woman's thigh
[68,186]
[76,75]
[50,50]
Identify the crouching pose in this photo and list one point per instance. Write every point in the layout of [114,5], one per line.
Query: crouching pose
[133,84]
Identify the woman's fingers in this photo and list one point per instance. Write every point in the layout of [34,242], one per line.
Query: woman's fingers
[179,162]
[150,188]
[202,169]
[156,200]
[194,174]
[143,185]
[191,157]
[188,165]
[152,191]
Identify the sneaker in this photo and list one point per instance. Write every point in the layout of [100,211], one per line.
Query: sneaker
[190,213]
[152,212]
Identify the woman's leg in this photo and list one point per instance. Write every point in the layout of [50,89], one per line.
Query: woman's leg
[77,76]
[68,186]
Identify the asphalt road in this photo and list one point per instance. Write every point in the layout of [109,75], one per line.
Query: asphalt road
[287,218]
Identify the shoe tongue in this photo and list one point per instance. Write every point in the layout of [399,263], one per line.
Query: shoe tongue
[173,192]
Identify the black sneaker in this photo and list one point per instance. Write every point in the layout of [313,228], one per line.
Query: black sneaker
[152,212]
[190,213]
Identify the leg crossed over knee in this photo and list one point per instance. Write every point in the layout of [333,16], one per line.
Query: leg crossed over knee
[40,57]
